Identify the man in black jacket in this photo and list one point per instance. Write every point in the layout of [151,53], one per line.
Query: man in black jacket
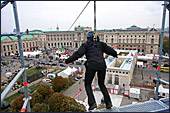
[93,49]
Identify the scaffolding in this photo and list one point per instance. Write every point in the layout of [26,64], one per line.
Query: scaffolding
[22,71]
[160,52]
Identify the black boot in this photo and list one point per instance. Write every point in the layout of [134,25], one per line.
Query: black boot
[109,105]
[92,106]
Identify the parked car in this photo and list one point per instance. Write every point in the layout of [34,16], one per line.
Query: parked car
[60,61]
[45,63]
[14,57]
[50,61]
[4,82]
[54,64]
[51,75]
[79,77]
[63,65]
[76,79]
[8,74]
[46,80]
[26,59]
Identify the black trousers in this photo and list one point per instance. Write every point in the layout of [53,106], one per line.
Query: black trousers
[89,75]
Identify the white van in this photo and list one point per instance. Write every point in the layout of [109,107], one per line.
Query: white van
[52,76]
[8,74]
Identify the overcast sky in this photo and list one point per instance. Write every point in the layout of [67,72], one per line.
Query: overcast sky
[46,15]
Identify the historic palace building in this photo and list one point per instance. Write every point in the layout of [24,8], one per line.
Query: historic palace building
[143,40]
[9,44]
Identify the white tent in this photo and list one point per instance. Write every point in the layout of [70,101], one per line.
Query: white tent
[12,54]
[67,72]
[134,93]
[26,54]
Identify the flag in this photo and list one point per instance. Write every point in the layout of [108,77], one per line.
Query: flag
[113,47]
[116,46]
[131,54]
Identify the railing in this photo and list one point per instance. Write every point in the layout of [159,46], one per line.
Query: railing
[22,71]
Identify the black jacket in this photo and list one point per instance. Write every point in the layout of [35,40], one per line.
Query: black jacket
[93,51]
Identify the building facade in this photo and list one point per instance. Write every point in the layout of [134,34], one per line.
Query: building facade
[9,44]
[143,40]
[120,70]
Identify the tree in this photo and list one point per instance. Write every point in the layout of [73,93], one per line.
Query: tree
[40,107]
[166,44]
[54,102]
[18,103]
[60,103]
[59,83]
[70,105]
[45,91]
[37,98]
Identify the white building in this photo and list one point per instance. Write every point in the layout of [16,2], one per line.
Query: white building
[120,70]
[134,93]
[143,39]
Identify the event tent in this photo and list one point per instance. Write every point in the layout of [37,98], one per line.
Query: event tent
[67,72]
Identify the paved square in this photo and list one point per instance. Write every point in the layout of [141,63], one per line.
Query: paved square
[116,99]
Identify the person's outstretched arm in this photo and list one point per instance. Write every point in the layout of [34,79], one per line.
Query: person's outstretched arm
[108,50]
[78,54]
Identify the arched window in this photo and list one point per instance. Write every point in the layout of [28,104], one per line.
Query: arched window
[112,40]
[152,41]
[23,45]
[127,40]
[58,45]
[151,51]
[130,40]
[76,45]
[119,40]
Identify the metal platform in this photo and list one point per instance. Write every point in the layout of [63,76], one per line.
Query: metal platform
[149,106]
[113,109]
